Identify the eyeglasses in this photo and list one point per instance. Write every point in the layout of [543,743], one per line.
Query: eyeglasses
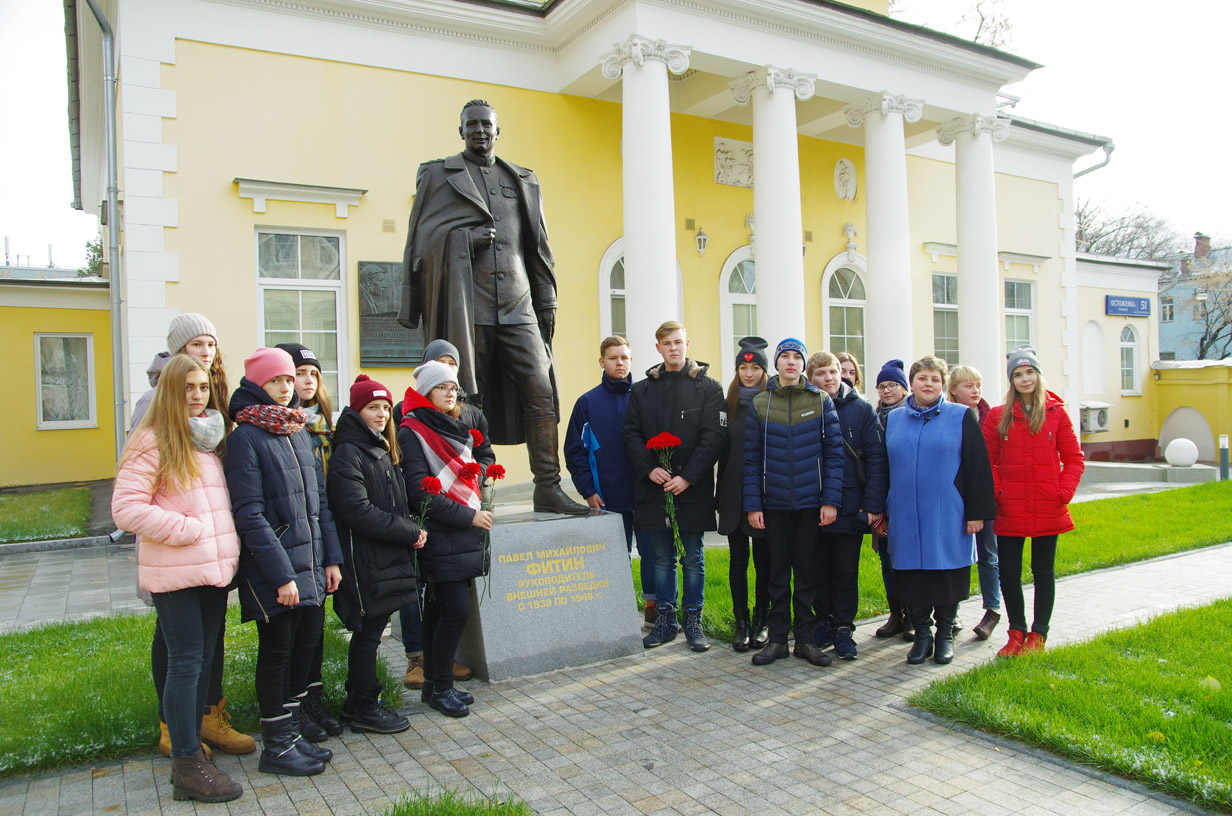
[888,386]
[446,389]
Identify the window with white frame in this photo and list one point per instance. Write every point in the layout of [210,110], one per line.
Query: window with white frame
[1167,309]
[616,297]
[945,318]
[300,279]
[1018,314]
[846,309]
[741,300]
[1129,360]
[64,389]
[612,319]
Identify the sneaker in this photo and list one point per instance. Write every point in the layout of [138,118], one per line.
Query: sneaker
[823,634]
[844,646]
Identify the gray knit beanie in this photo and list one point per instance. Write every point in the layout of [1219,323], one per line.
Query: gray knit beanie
[438,349]
[1021,356]
[431,374]
[185,327]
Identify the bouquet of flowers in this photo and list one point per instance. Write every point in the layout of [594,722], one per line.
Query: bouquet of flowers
[662,445]
[432,486]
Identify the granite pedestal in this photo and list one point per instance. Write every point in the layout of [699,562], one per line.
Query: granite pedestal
[560,594]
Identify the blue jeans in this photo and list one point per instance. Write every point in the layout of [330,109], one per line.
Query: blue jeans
[692,564]
[645,552]
[988,571]
[190,621]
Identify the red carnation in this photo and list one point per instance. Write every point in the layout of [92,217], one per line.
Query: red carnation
[476,437]
[496,472]
[663,441]
[470,472]
[430,485]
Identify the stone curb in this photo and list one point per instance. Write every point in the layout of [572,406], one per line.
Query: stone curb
[15,547]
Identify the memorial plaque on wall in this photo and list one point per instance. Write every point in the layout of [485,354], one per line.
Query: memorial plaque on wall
[383,341]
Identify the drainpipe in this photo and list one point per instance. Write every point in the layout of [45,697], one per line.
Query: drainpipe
[1108,148]
[113,225]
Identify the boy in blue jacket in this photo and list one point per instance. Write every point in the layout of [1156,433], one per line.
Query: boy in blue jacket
[595,454]
[793,483]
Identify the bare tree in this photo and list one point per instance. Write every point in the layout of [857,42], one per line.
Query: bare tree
[1210,300]
[1135,232]
[992,25]
[982,21]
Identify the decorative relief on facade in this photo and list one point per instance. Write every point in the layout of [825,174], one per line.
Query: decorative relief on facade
[850,232]
[975,124]
[639,49]
[733,162]
[884,103]
[845,180]
[771,79]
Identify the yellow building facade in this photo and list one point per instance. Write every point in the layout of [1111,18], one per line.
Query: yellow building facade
[268,155]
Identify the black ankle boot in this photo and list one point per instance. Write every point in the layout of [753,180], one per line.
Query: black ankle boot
[314,705]
[895,623]
[447,703]
[944,650]
[302,743]
[922,648]
[759,629]
[665,627]
[693,629]
[309,728]
[370,713]
[425,695]
[279,754]
[740,641]
[908,624]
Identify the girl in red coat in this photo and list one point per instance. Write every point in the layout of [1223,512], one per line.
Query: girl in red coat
[1036,466]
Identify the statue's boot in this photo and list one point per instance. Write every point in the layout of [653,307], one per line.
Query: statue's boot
[541,445]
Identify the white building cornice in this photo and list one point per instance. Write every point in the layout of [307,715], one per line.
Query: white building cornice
[340,198]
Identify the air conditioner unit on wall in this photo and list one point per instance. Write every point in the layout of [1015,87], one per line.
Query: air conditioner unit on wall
[1095,416]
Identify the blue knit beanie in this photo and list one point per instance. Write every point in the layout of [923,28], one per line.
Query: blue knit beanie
[790,344]
[892,372]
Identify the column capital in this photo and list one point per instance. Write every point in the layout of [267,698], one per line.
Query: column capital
[771,79]
[884,103]
[975,124]
[638,49]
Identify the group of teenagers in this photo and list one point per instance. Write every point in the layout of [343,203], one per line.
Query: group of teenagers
[807,467]
[260,490]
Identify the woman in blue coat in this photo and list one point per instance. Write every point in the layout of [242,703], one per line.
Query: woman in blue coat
[289,552]
[940,493]
[865,480]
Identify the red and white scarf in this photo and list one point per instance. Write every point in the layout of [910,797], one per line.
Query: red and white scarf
[277,419]
[446,457]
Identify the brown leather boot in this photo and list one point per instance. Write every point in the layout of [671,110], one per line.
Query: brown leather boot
[195,777]
[984,628]
[414,672]
[895,623]
[542,446]
[217,731]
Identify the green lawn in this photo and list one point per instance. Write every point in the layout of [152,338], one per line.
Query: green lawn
[44,514]
[1108,532]
[1153,703]
[76,692]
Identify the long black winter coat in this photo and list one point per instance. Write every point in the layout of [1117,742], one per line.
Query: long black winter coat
[454,550]
[688,404]
[862,435]
[730,494]
[367,496]
[283,520]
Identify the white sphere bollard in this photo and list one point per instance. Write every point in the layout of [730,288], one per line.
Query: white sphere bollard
[1181,453]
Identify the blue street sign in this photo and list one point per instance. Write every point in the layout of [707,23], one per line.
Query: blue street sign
[1127,306]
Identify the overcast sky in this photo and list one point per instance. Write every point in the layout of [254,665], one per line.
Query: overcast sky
[1146,75]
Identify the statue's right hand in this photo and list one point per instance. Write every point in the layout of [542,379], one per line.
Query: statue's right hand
[482,237]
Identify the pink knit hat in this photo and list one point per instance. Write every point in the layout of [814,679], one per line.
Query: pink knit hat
[265,364]
[366,390]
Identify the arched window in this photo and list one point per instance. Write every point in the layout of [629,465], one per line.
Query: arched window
[737,306]
[612,291]
[846,312]
[1093,359]
[1129,361]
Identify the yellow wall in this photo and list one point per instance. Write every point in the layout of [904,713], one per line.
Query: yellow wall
[1208,390]
[32,456]
[1139,410]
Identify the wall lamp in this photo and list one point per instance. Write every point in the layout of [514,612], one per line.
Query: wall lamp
[702,240]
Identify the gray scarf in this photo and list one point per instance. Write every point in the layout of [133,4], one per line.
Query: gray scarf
[207,430]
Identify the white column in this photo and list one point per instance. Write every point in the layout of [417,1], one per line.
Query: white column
[887,319]
[779,252]
[980,338]
[651,296]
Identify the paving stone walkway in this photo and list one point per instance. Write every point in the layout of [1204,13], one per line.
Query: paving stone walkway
[666,733]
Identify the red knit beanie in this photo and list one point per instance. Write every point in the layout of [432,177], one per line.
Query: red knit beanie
[365,390]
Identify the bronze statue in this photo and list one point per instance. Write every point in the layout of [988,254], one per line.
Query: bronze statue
[479,273]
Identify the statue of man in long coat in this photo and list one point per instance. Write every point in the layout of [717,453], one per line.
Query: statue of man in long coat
[479,273]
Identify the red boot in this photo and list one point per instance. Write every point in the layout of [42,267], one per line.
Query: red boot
[1014,647]
[1035,643]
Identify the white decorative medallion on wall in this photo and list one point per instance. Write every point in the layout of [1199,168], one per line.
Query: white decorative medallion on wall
[733,162]
[845,179]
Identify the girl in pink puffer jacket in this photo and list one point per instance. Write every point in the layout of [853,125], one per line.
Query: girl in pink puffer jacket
[170,491]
